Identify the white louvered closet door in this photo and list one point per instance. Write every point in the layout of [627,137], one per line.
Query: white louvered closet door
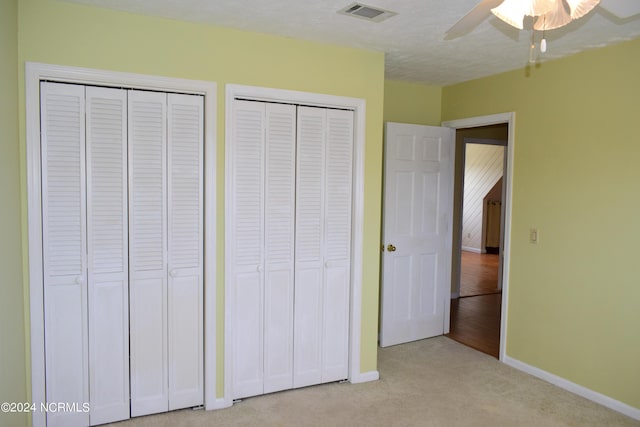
[279,210]
[337,245]
[122,212]
[247,241]
[310,228]
[263,239]
[64,249]
[107,239]
[185,250]
[323,245]
[148,249]
[291,193]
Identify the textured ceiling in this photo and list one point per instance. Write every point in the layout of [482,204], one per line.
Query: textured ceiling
[412,41]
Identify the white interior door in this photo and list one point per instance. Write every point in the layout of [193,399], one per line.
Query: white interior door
[418,206]
[64,250]
[108,258]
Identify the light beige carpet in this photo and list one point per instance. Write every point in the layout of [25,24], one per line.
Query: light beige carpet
[434,382]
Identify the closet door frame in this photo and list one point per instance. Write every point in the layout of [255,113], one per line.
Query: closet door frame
[34,74]
[358,105]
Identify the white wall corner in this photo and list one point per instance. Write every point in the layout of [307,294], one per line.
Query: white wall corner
[220,403]
[572,387]
[365,377]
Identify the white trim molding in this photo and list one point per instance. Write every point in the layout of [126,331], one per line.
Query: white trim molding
[34,74]
[470,249]
[565,384]
[232,92]
[510,120]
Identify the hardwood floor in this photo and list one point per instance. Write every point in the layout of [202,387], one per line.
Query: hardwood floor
[475,322]
[478,274]
[475,316]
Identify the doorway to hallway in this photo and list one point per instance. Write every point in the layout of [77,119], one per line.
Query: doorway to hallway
[479,236]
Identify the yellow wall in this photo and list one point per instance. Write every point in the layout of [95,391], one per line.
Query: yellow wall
[573,298]
[70,34]
[412,103]
[12,350]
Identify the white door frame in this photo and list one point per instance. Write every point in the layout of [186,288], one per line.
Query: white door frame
[34,74]
[358,105]
[510,120]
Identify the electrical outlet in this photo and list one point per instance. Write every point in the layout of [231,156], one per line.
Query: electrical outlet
[534,236]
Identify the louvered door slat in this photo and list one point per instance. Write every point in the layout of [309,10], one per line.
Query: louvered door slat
[148,246]
[185,249]
[107,237]
[64,249]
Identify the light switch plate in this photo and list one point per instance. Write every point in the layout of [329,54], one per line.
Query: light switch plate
[534,235]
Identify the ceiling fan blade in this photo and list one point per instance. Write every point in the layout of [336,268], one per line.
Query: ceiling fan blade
[472,19]
[621,8]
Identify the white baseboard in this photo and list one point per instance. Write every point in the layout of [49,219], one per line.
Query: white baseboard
[455,295]
[365,377]
[587,393]
[470,249]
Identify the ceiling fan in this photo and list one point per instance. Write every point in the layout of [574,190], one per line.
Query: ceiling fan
[547,14]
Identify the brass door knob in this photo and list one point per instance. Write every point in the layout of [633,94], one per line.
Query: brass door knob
[391,248]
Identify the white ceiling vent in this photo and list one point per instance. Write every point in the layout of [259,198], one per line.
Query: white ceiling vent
[370,13]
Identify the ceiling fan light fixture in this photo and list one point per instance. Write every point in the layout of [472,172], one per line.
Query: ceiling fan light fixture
[557,18]
[539,7]
[512,12]
[579,8]
[550,14]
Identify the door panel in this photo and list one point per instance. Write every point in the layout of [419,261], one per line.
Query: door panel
[279,208]
[148,346]
[335,340]
[185,250]
[307,356]
[185,340]
[248,249]
[248,342]
[278,334]
[337,248]
[310,229]
[108,269]
[64,250]
[418,199]
[148,249]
